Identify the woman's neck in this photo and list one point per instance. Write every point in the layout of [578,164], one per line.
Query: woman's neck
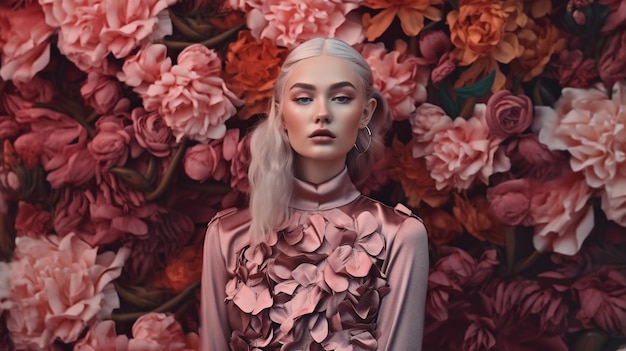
[315,171]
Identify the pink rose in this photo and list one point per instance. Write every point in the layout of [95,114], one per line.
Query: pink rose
[612,65]
[129,24]
[531,158]
[563,215]
[59,287]
[17,95]
[601,296]
[102,93]
[110,145]
[292,22]
[192,98]
[23,42]
[589,125]
[102,337]
[239,166]
[462,152]
[433,45]
[444,68]
[202,162]
[145,67]
[152,133]
[508,114]
[31,221]
[510,202]
[159,331]
[398,76]
[427,120]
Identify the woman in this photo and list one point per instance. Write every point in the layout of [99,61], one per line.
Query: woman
[313,264]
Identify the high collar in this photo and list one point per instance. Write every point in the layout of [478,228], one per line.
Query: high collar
[335,192]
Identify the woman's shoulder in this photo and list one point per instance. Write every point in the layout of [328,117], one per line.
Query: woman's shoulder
[228,230]
[397,222]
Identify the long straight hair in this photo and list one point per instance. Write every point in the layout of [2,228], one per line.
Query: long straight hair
[271,171]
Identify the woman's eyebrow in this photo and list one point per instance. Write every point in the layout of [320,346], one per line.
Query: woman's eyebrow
[334,86]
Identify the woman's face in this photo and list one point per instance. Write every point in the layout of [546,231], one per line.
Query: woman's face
[323,108]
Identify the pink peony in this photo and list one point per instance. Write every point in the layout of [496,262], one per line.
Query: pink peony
[145,67]
[129,24]
[152,133]
[563,215]
[102,337]
[530,158]
[192,98]
[398,76]
[508,114]
[510,202]
[612,65]
[16,95]
[292,22]
[160,331]
[59,287]
[602,296]
[110,146]
[31,221]
[24,45]
[102,93]
[427,120]
[462,152]
[590,126]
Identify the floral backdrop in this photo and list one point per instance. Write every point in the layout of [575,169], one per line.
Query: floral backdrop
[124,129]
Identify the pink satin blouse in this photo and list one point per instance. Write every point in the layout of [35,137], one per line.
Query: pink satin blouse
[347,273]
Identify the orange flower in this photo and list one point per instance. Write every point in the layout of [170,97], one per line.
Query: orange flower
[442,227]
[251,70]
[414,177]
[540,39]
[410,12]
[538,8]
[183,270]
[484,28]
[474,214]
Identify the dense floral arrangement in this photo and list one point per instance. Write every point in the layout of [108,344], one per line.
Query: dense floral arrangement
[125,128]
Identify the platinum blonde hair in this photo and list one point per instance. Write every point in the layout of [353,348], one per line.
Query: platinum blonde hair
[271,171]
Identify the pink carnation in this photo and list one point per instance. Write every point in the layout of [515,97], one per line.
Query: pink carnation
[24,45]
[463,152]
[160,331]
[601,296]
[398,76]
[427,120]
[58,287]
[192,97]
[102,337]
[590,126]
[292,22]
[129,24]
[145,67]
[562,213]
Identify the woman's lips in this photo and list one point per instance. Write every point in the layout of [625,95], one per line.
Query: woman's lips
[322,136]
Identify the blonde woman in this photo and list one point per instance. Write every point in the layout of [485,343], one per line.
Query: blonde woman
[312,264]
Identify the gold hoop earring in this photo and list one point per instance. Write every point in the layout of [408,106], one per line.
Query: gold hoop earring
[369,133]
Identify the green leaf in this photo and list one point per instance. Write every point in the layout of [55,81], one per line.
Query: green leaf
[446,102]
[477,89]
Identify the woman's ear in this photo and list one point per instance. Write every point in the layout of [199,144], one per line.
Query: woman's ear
[368,112]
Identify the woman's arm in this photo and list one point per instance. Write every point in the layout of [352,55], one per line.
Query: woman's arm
[214,331]
[401,315]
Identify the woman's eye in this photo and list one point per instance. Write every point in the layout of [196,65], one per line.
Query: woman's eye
[303,100]
[342,99]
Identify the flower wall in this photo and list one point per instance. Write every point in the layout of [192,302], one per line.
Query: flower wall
[125,128]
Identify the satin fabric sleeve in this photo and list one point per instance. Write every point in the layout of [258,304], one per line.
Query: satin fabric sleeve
[401,315]
[215,330]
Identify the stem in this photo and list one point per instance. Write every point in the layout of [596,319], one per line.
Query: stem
[169,174]
[208,43]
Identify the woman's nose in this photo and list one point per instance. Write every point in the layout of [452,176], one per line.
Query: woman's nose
[322,113]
